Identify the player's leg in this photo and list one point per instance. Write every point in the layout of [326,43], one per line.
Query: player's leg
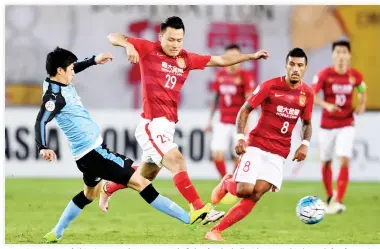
[90,192]
[251,194]
[117,168]
[327,138]
[147,170]
[257,173]
[344,147]
[219,145]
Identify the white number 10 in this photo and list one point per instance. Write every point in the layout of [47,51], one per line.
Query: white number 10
[171,80]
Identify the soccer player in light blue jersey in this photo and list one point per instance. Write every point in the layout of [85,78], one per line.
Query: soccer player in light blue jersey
[93,158]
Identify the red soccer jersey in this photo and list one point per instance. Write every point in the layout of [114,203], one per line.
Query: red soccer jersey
[162,77]
[232,88]
[337,89]
[281,107]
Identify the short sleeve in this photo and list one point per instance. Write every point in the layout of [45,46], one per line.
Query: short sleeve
[259,94]
[308,110]
[143,47]
[198,61]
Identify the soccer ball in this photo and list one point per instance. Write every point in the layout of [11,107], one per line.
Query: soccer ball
[311,210]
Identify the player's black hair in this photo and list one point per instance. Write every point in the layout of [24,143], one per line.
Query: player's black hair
[232,46]
[59,58]
[174,22]
[342,43]
[296,52]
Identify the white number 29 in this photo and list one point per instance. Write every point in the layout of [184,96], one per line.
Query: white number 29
[171,80]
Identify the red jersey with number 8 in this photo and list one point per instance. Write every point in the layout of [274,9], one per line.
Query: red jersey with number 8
[337,89]
[281,107]
[162,77]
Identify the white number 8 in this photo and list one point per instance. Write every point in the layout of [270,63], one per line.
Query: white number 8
[170,81]
[285,127]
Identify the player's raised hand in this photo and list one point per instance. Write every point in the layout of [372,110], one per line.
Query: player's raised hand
[133,56]
[103,58]
[48,155]
[301,153]
[332,108]
[261,54]
[240,147]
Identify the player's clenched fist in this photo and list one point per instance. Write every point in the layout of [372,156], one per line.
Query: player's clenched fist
[262,54]
[103,58]
[240,147]
[301,153]
[48,155]
[133,56]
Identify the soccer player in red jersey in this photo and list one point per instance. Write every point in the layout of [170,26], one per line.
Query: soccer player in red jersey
[337,125]
[283,101]
[164,67]
[232,86]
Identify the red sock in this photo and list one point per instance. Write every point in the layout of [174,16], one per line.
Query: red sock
[327,178]
[235,214]
[112,187]
[231,186]
[186,188]
[342,183]
[221,167]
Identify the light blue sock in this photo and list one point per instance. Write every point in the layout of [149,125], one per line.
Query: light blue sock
[171,208]
[70,213]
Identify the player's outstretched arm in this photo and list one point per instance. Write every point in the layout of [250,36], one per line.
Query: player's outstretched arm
[228,60]
[120,40]
[101,58]
[241,122]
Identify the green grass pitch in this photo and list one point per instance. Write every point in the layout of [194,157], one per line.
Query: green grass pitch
[33,206]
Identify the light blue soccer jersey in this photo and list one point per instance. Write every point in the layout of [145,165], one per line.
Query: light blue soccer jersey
[63,103]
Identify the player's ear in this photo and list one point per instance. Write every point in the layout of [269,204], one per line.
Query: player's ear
[160,37]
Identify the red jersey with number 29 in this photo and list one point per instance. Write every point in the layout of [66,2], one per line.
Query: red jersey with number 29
[281,107]
[162,77]
[337,89]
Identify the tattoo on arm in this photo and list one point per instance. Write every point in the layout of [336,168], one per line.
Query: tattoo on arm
[306,130]
[242,117]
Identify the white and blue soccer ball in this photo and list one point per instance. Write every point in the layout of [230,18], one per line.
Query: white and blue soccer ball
[310,209]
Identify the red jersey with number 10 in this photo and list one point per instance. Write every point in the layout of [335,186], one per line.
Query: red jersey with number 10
[232,89]
[337,89]
[281,106]
[162,77]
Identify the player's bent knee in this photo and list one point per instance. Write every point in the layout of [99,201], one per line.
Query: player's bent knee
[256,196]
[91,193]
[344,161]
[326,164]
[244,190]
[137,182]
[218,156]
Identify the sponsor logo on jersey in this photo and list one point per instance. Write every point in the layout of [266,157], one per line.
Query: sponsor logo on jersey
[286,112]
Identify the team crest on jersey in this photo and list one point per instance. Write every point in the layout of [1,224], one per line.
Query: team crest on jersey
[352,80]
[50,105]
[302,100]
[181,62]
[237,80]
